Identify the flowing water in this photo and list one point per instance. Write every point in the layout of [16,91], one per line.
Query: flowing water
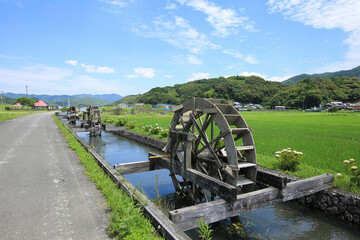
[283,221]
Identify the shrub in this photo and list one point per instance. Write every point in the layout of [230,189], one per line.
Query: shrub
[288,160]
[132,124]
[147,128]
[353,171]
[333,109]
[7,108]
[164,133]
[122,121]
[109,121]
[155,130]
[118,111]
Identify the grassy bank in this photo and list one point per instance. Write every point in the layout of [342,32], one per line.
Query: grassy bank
[126,219]
[326,139]
[6,115]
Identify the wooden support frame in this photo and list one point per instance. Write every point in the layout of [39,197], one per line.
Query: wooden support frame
[187,218]
[222,189]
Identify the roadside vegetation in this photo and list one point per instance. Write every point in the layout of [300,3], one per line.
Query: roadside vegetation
[324,139]
[126,219]
[8,114]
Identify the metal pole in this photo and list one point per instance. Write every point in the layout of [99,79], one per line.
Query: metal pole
[2,100]
[26,90]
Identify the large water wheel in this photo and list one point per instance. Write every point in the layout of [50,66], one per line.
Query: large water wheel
[211,137]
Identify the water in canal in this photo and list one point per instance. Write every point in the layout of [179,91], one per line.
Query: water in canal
[283,221]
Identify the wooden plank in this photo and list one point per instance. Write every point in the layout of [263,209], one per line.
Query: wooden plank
[241,181]
[177,108]
[244,148]
[271,178]
[187,218]
[135,167]
[246,165]
[222,189]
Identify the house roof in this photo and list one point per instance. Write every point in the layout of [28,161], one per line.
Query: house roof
[40,103]
[17,105]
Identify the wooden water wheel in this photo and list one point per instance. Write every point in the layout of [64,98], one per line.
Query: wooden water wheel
[72,116]
[210,137]
[92,120]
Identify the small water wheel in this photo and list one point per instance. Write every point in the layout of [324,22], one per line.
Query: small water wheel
[72,116]
[92,120]
[202,137]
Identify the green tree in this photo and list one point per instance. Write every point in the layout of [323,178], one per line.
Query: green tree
[25,101]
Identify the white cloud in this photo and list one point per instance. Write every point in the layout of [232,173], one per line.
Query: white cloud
[177,32]
[194,60]
[224,21]
[168,76]
[170,6]
[248,74]
[273,79]
[11,57]
[88,68]
[115,3]
[142,73]
[92,68]
[52,80]
[197,76]
[247,58]
[72,62]
[328,15]
[279,79]
[104,70]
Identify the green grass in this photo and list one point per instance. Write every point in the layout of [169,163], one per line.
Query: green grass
[126,219]
[6,115]
[326,139]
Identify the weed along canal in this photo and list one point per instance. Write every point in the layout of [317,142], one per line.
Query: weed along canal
[282,221]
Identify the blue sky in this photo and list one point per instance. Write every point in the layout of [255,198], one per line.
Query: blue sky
[130,46]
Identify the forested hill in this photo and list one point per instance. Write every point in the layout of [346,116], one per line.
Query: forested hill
[355,72]
[254,89]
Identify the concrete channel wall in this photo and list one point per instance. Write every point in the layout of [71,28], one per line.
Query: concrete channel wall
[335,202]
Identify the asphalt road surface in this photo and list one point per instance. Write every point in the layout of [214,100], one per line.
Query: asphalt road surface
[44,193]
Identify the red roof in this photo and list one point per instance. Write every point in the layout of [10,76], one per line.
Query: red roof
[40,103]
[17,105]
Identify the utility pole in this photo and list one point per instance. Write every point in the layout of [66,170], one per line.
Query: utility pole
[26,90]
[2,100]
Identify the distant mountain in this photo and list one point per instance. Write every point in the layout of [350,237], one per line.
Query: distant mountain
[129,99]
[108,97]
[355,72]
[7,100]
[79,101]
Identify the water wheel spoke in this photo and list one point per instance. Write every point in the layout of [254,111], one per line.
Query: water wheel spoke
[203,136]
[207,121]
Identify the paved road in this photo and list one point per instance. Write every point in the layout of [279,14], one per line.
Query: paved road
[43,191]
